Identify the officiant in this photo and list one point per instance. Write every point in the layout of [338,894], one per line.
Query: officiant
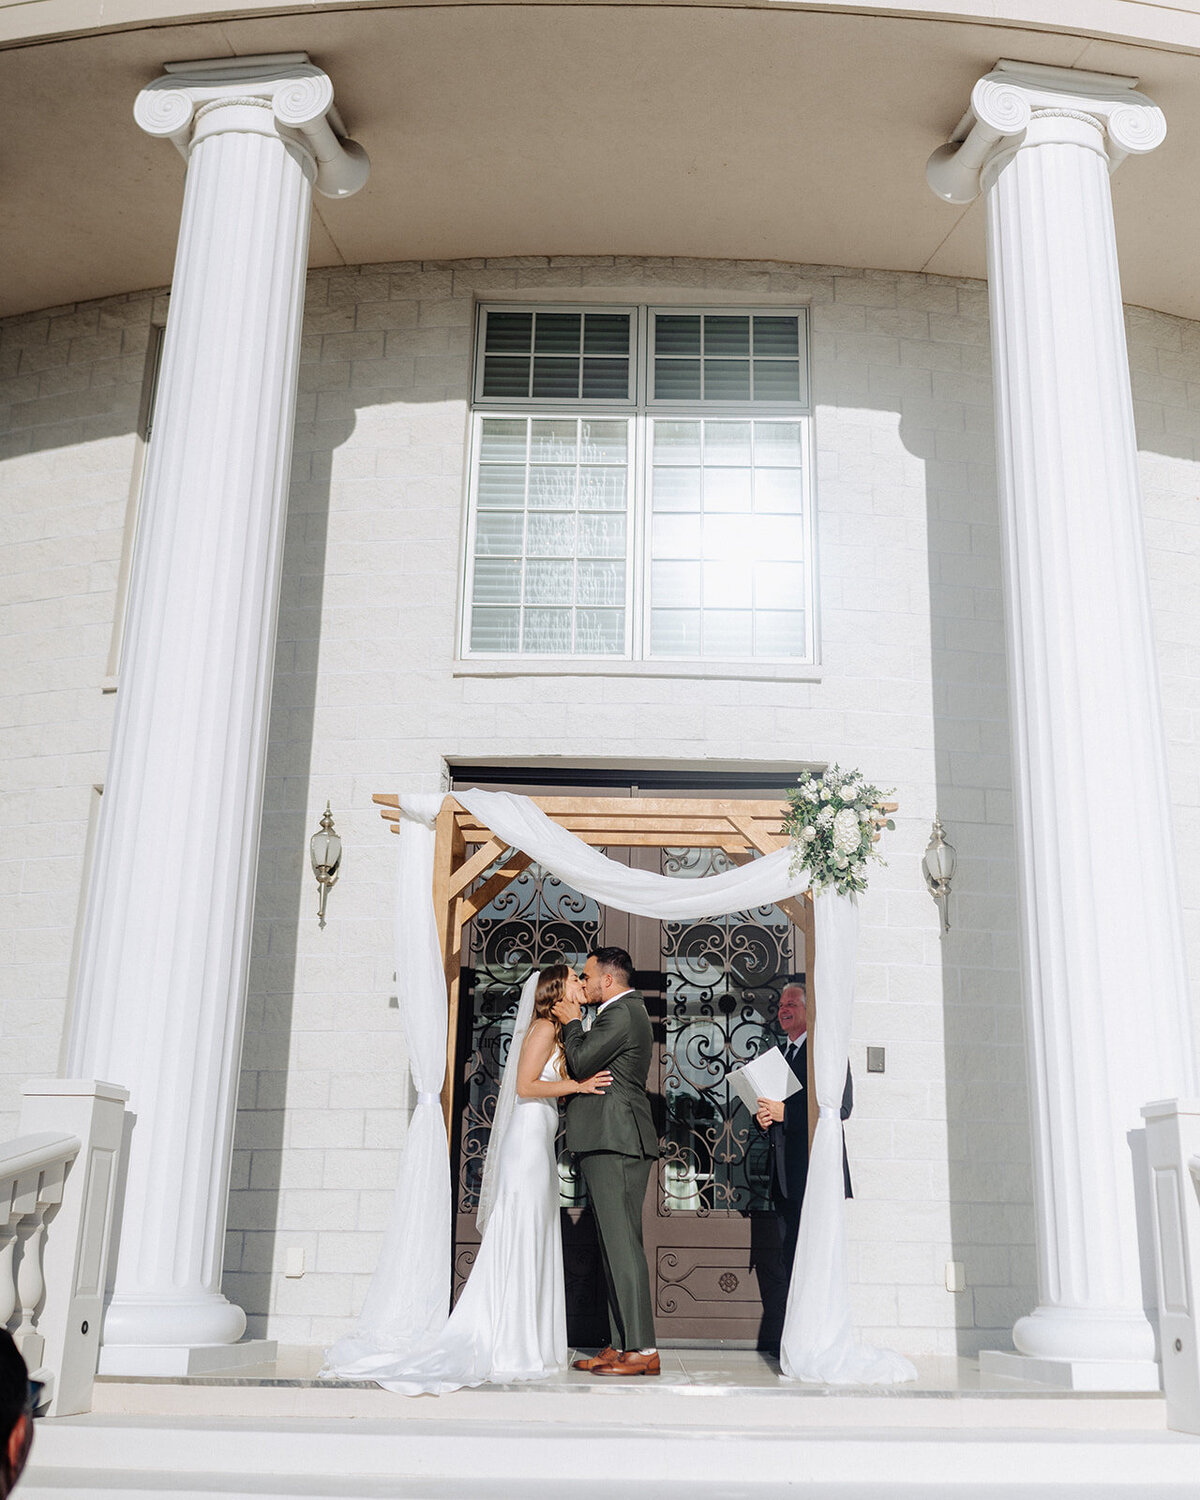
[786,1124]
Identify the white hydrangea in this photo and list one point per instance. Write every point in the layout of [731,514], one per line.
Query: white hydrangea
[845,831]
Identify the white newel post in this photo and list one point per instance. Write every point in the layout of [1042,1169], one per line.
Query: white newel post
[162,974]
[1106,993]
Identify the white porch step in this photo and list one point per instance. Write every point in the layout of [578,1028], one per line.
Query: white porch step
[418,1458]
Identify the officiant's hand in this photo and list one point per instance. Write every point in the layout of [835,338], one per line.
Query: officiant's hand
[770,1112]
[567,1009]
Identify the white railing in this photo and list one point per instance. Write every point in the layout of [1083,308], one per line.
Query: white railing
[32,1169]
[1173,1157]
[57,1189]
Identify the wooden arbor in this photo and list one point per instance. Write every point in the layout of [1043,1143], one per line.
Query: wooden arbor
[738,828]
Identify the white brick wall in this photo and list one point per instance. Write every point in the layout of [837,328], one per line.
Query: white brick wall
[70,389]
[912,690]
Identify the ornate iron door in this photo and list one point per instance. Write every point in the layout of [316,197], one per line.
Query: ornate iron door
[712,988]
[710,1223]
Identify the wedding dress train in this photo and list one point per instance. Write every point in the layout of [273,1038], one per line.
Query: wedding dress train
[510,1321]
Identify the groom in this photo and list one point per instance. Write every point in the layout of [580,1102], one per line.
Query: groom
[613,1136]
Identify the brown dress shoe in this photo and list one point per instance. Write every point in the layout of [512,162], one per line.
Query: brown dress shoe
[630,1363]
[604,1356]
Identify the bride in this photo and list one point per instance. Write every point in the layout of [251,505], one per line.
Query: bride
[510,1321]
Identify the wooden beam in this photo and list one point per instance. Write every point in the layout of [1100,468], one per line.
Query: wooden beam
[446,847]
[471,905]
[476,865]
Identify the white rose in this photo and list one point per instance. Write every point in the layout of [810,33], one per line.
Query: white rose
[825,817]
[841,861]
[845,831]
[825,794]
[809,834]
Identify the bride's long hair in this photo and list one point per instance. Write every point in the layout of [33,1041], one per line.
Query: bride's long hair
[551,987]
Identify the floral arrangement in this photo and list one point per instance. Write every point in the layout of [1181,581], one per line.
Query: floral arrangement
[834,820]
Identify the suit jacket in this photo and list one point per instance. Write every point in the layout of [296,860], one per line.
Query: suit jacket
[619,1119]
[789,1140]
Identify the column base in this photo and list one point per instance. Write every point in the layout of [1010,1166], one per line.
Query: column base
[184,1359]
[1070,1374]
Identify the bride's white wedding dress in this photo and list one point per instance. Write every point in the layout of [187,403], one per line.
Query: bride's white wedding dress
[510,1322]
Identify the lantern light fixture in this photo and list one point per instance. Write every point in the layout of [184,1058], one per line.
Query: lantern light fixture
[325,851]
[938,865]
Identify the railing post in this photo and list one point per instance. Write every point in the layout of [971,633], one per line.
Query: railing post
[1173,1157]
[75,1257]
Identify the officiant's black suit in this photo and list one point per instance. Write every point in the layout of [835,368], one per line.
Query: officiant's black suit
[788,1144]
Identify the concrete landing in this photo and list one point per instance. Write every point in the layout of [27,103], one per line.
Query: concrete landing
[718,1425]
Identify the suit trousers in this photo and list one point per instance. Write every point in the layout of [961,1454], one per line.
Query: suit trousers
[616,1186]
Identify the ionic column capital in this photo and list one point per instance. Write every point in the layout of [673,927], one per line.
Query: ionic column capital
[1019,104]
[193,100]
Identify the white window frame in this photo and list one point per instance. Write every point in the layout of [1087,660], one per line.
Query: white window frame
[641,410]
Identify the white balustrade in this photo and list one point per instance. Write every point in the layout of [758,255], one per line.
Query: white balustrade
[57,1187]
[1173,1159]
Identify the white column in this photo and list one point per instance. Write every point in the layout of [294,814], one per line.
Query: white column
[163,964]
[1106,991]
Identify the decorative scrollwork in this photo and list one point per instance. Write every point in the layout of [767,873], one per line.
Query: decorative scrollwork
[723,982]
[535,921]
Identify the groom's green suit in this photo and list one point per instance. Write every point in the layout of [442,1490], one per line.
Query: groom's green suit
[614,1138]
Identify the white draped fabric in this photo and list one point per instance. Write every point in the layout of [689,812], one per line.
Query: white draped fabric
[409,1293]
[409,1297]
[818,1342]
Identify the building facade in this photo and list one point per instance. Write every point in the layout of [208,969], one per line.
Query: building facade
[648,424]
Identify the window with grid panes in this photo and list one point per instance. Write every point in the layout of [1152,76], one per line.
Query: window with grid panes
[640,485]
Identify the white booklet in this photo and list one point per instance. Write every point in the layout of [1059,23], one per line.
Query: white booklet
[767,1076]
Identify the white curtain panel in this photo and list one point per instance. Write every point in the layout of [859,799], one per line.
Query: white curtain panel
[408,1299]
[818,1342]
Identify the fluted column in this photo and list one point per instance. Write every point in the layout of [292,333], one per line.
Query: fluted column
[1106,993]
[164,956]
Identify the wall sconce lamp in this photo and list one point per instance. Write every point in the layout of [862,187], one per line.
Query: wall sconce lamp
[325,851]
[938,865]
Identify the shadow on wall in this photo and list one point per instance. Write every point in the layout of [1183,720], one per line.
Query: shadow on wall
[362,347]
[919,351]
[987,1102]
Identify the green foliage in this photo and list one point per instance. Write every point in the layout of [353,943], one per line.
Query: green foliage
[832,820]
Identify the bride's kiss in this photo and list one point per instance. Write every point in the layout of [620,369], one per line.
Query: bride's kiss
[510,1322]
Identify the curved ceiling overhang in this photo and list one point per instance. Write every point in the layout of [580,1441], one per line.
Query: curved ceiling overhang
[782,133]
